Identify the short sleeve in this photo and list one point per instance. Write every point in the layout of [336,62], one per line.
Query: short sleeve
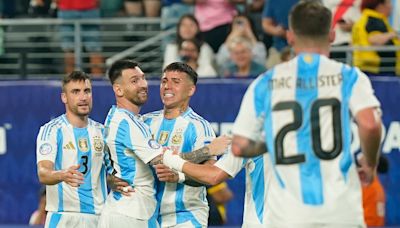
[362,95]
[231,164]
[46,144]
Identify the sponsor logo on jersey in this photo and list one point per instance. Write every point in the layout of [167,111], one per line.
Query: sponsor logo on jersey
[69,146]
[154,144]
[45,149]
[98,144]
[83,144]
[163,137]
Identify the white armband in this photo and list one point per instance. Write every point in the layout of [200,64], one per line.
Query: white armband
[181,177]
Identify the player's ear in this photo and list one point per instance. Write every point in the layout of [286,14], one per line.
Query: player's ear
[192,90]
[118,90]
[290,37]
[64,97]
[332,35]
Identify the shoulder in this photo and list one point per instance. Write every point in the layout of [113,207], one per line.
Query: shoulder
[198,121]
[95,124]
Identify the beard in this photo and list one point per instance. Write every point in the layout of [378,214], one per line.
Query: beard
[138,99]
[81,111]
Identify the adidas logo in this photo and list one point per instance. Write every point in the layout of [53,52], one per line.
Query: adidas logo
[69,146]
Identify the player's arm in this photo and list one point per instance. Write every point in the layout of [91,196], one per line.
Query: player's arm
[49,176]
[370,130]
[244,147]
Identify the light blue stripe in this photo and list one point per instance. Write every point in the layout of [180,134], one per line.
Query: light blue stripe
[58,166]
[85,194]
[182,214]
[258,186]
[203,122]
[167,126]
[110,116]
[189,138]
[138,123]
[48,128]
[54,220]
[349,78]
[159,195]
[123,141]
[103,182]
[310,171]
[262,104]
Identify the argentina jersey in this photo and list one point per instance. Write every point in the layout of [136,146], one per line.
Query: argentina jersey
[306,106]
[130,147]
[181,204]
[257,177]
[64,145]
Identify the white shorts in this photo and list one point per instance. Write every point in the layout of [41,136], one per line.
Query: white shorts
[70,219]
[109,219]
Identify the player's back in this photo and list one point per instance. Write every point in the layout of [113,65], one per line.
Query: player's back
[65,145]
[307,105]
[181,203]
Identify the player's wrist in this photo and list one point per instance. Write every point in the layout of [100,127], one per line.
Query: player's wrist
[173,160]
[181,177]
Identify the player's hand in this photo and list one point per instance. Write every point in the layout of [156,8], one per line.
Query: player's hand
[172,160]
[164,173]
[219,145]
[72,176]
[365,171]
[119,185]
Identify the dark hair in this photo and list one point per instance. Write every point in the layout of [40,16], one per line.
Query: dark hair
[310,19]
[182,67]
[117,67]
[74,76]
[198,35]
[251,23]
[371,4]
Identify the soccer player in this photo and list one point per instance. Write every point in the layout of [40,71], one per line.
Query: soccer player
[178,127]
[70,159]
[131,149]
[304,109]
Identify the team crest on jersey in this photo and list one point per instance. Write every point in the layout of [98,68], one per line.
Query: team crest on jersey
[154,144]
[308,58]
[83,144]
[98,144]
[177,138]
[163,137]
[45,149]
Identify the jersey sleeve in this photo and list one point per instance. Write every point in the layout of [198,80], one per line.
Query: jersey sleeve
[363,95]
[231,164]
[204,137]
[248,122]
[138,138]
[46,144]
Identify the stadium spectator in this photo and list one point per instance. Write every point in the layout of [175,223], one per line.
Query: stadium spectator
[140,8]
[217,196]
[344,15]
[242,63]
[299,116]
[394,18]
[77,9]
[242,26]
[38,217]
[188,28]
[189,52]
[373,29]
[178,127]
[275,23]
[215,17]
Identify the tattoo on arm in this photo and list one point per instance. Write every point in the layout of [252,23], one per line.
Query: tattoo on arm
[254,149]
[197,156]
[191,182]
[157,160]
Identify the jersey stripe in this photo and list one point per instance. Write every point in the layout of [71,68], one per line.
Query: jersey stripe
[58,166]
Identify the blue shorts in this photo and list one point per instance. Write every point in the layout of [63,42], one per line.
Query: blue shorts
[90,33]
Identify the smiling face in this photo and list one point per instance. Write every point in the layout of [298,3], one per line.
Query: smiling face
[77,97]
[176,89]
[132,85]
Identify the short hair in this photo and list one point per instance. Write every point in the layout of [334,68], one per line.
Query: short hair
[310,19]
[194,41]
[182,67]
[371,4]
[117,67]
[74,76]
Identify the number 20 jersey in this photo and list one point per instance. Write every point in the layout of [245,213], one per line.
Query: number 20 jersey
[304,108]
[64,145]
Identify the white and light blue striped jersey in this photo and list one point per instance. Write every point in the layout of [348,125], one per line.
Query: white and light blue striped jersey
[131,147]
[257,177]
[181,203]
[305,107]
[64,145]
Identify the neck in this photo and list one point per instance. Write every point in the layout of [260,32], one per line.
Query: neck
[312,47]
[172,113]
[244,70]
[77,121]
[125,104]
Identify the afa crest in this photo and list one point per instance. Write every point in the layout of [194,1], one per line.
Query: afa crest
[163,137]
[83,144]
[177,138]
[98,144]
